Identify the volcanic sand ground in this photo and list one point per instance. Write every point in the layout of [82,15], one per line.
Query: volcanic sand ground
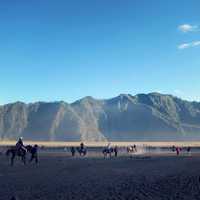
[59,176]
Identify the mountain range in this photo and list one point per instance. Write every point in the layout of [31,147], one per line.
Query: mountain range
[152,116]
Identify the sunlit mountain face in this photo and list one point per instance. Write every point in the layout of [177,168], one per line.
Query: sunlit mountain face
[151,116]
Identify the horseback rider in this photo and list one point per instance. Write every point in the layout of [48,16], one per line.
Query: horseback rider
[82,149]
[20,145]
[82,146]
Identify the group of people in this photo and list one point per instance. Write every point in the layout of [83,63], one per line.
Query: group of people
[113,149]
[82,150]
[108,150]
[33,150]
[179,149]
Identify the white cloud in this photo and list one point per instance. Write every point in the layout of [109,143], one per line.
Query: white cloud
[178,92]
[184,46]
[188,28]
[196,43]
[190,96]
[189,45]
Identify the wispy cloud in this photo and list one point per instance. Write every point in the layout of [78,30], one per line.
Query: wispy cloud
[189,45]
[188,95]
[179,92]
[188,28]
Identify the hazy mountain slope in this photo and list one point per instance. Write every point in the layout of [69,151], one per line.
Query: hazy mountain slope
[53,121]
[90,110]
[13,119]
[126,117]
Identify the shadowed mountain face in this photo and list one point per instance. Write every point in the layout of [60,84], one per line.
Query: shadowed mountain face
[142,117]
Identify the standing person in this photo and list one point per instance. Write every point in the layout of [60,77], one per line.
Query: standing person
[72,149]
[134,148]
[173,148]
[116,151]
[34,153]
[177,151]
[188,150]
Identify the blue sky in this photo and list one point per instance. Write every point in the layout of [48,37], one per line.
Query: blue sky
[63,50]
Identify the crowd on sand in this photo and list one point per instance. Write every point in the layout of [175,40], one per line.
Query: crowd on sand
[178,150]
[132,149]
[82,149]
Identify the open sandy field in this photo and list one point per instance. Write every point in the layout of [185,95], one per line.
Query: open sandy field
[100,144]
[58,176]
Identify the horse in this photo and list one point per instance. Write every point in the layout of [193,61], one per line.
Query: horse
[82,151]
[17,152]
[107,151]
[131,149]
[22,153]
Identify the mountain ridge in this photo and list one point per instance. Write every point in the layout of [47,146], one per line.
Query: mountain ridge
[151,116]
[102,99]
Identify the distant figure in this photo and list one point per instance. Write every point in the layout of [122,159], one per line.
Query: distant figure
[134,148]
[173,148]
[82,145]
[19,145]
[131,150]
[116,151]
[34,154]
[188,150]
[82,149]
[107,151]
[72,149]
[178,151]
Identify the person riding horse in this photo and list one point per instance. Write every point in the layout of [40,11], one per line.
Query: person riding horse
[82,146]
[20,150]
[108,150]
[20,146]
[82,150]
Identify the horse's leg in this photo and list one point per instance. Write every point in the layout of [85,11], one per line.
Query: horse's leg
[36,159]
[12,159]
[24,159]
